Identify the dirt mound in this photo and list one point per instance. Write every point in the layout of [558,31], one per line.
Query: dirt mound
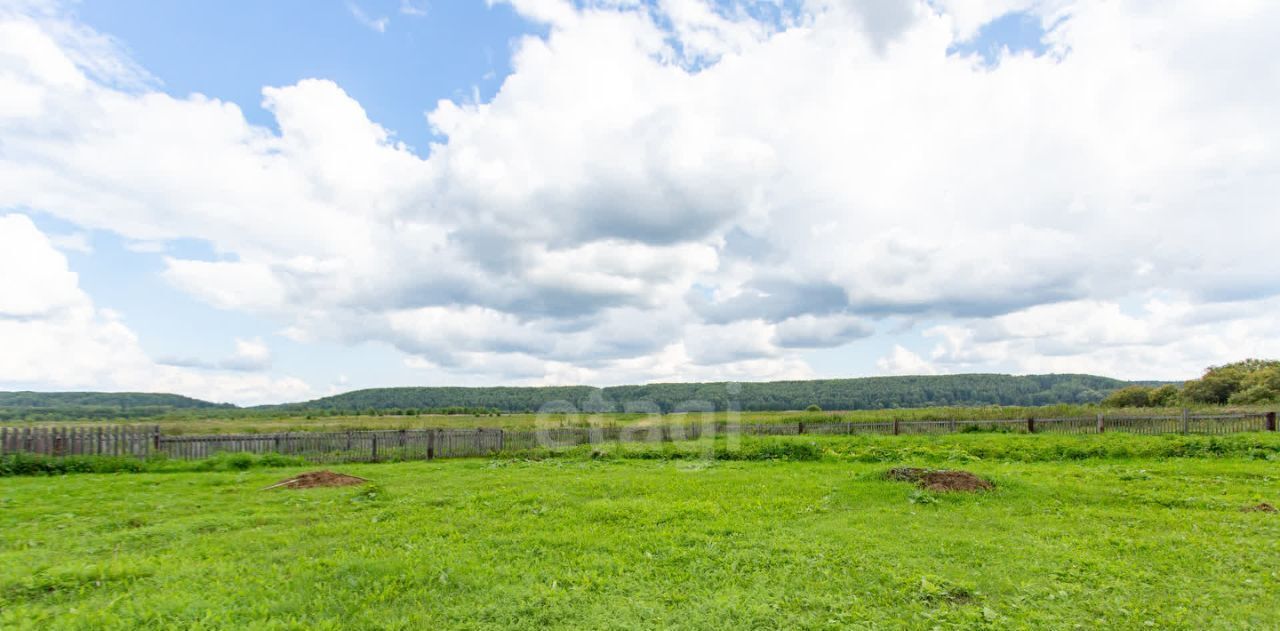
[939,479]
[314,479]
[1261,508]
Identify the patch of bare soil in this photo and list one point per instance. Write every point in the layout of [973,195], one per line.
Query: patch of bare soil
[1261,508]
[940,479]
[315,479]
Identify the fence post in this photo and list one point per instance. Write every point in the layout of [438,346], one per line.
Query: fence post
[896,428]
[1101,424]
[502,439]
[800,427]
[431,444]
[1031,425]
[1271,421]
[1186,420]
[374,442]
[155,438]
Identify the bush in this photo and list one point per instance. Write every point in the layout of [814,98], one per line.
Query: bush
[1163,397]
[245,461]
[1129,397]
[36,464]
[1248,381]
[813,408]
[1255,394]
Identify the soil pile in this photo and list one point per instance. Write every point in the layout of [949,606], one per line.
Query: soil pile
[940,479]
[315,479]
[1261,508]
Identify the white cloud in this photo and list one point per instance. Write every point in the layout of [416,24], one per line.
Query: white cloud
[249,355]
[36,282]
[809,331]
[53,336]
[378,24]
[1164,339]
[666,190]
[902,361]
[415,8]
[72,242]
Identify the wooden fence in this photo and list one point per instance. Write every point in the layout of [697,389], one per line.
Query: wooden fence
[419,444]
[114,440]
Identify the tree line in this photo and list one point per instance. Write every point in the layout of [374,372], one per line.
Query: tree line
[1247,382]
[52,406]
[1250,381]
[869,393]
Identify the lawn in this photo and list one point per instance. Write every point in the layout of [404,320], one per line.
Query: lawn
[576,541]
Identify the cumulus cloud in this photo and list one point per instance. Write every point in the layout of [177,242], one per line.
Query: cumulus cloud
[902,361]
[1163,338]
[809,331]
[687,189]
[55,337]
[249,355]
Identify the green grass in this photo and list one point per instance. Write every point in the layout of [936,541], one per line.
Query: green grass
[1092,531]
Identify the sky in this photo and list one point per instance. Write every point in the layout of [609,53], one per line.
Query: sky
[258,202]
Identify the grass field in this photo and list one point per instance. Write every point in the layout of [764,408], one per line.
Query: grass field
[255,424]
[654,538]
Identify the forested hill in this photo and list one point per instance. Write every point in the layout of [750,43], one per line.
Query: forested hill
[829,394]
[54,405]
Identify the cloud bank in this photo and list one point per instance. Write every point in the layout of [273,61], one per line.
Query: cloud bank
[683,190]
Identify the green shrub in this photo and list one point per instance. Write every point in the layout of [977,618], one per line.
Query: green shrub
[1248,381]
[1163,397]
[245,461]
[36,464]
[1129,397]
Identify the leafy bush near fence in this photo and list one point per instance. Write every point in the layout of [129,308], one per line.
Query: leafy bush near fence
[34,464]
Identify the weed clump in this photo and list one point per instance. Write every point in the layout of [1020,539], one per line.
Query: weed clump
[934,590]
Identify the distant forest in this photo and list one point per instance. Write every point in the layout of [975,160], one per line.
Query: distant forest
[97,405]
[829,394]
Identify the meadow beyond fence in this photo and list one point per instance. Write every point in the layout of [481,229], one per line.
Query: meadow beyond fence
[429,444]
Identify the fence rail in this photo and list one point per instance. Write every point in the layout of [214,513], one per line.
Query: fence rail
[420,444]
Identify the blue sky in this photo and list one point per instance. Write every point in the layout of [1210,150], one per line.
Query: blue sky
[230,51]
[659,216]
[454,50]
